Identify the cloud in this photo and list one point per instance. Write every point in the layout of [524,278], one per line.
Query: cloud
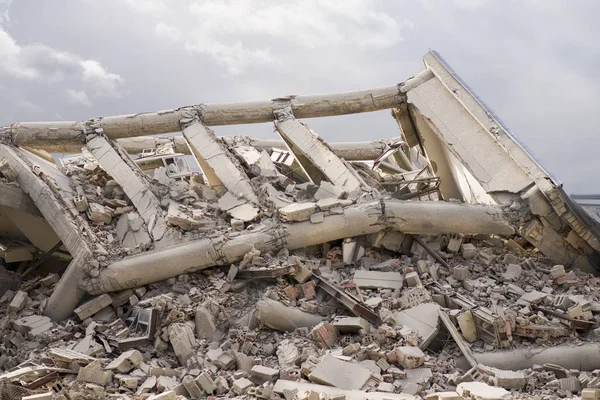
[233,33]
[102,82]
[168,31]
[78,97]
[46,65]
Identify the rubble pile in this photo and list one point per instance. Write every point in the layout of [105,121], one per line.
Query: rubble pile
[268,327]
[445,264]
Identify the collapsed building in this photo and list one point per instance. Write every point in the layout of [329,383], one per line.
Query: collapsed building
[445,263]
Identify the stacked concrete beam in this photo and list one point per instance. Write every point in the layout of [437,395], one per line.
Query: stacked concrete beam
[222,174]
[131,179]
[67,294]
[315,157]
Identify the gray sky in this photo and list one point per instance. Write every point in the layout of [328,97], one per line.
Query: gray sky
[533,61]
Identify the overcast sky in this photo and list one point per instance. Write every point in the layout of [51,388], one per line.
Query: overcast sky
[535,62]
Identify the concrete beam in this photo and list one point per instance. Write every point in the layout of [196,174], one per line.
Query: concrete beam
[133,181]
[65,297]
[212,157]
[11,196]
[362,219]
[57,134]
[313,154]
[350,151]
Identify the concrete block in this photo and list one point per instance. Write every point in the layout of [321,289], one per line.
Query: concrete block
[590,394]
[192,387]
[18,302]
[241,385]
[410,356]
[340,374]
[50,280]
[513,272]
[455,242]
[91,307]
[206,382]
[412,279]
[460,272]
[468,251]
[81,203]
[126,361]
[297,212]
[510,379]
[378,280]
[533,297]
[93,373]
[557,271]
[100,214]
[260,374]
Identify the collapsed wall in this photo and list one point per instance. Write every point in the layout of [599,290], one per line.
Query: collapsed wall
[453,195]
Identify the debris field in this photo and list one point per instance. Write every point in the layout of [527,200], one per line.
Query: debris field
[443,264]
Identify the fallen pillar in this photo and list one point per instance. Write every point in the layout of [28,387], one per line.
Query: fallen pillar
[218,168]
[584,357]
[132,180]
[313,154]
[67,294]
[278,316]
[64,133]
[406,216]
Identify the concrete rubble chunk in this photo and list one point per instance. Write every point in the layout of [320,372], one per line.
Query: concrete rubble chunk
[176,217]
[241,386]
[126,361]
[93,373]
[183,341]
[40,396]
[297,212]
[466,322]
[513,272]
[260,374]
[18,302]
[410,356]
[91,307]
[378,280]
[340,374]
[98,213]
[245,213]
[482,391]
[205,323]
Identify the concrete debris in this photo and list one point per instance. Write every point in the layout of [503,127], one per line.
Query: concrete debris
[442,265]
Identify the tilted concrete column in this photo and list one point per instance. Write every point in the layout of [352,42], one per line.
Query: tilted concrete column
[131,178]
[218,168]
[361,219]
[67,293]
[314,155]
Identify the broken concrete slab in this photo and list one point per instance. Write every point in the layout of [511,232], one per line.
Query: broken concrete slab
[378,280]
[340,374]
[297,212]
[92,306]
[423,319]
